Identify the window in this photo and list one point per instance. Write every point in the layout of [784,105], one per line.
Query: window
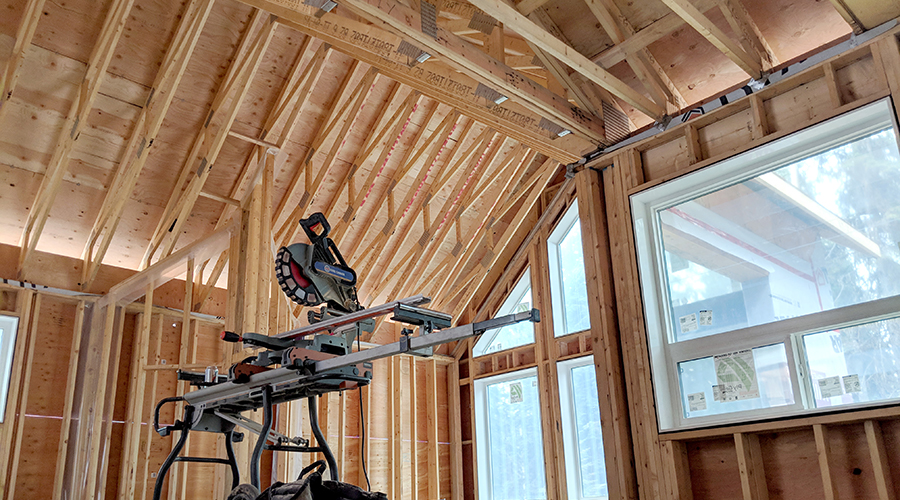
[568,287]
[582,436]
[508,435]
[771,280]
[8,325]
[519,334]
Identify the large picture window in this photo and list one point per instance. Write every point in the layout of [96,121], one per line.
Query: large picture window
[519,334]
[8,325]
[568,288]
[508,436]
[771,279]
[582,436]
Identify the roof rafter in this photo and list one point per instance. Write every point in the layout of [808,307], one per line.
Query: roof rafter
[415,196]
[751,37]
[517,160]
[141,142]
[567,55]
[377,47]
[293,97]
[407,109]
[436,151]
[649,34]
[641,62]
[25,33]
[465,57]
[209,144]
[332,115]
[751,64]
[82,104]
[494,251]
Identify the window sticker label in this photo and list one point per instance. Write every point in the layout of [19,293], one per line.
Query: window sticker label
[696,401]
[705,318]
[851,384]
[736,376]
[724,394]
[830,387]
[688,323]
[515,392]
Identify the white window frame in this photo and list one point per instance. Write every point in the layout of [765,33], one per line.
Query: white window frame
[666,354]
[557,291]
[482,431]
[7,351]
[570,429]
[508,306]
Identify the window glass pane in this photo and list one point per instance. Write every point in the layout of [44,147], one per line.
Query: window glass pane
[812,235]
[704,381]
[573,286]
[589,435]
[855,365]
[516,445]
[568,285]
[515,335]
[7,347]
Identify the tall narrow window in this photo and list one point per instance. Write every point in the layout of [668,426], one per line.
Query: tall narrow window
[582,436]
[8,325]
[519,334]
[568,288]
[508,434]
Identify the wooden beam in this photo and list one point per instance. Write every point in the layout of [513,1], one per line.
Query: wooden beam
[211,141]
[331,115]
[413,432]
[649,34]
[482,143]
[31,15]
[512,168]
[495,250]
[69,404]
[691,15]
[162,271]
[751,467]
[884,481]
[377,47]
[431,413]
[470,60]
[397,127]
[567,55]
[751,37]
[82,104]
[677,480]
[823,451]
[642,62]
[418,195]
[849,16]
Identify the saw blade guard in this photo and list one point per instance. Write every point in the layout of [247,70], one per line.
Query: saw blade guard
[313,274]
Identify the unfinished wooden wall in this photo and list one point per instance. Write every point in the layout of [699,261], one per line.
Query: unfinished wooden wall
[840,455]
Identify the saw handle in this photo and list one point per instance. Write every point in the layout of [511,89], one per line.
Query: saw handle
[308,224]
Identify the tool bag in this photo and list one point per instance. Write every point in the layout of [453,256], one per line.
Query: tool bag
[312,487]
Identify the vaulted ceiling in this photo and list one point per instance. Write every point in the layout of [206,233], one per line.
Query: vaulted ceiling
[428,133]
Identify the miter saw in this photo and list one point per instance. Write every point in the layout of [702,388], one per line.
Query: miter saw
[306,362]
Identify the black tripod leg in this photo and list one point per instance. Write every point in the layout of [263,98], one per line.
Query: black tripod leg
[263,434]
[320,439]
[164,469]
[232,460]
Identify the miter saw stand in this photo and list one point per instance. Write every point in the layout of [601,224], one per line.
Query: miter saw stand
[311,361]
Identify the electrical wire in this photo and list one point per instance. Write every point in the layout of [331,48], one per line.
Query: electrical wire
[362,420]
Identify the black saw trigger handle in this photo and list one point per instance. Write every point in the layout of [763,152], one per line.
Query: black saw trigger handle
[309,225]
